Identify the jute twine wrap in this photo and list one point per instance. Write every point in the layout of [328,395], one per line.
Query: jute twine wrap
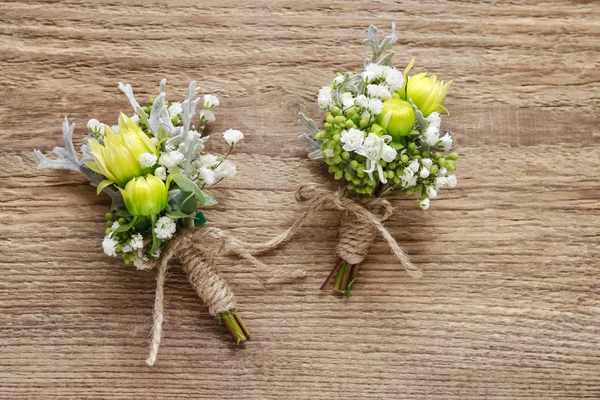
[360,222]
[196,250]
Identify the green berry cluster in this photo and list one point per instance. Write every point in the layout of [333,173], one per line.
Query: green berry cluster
[351,166]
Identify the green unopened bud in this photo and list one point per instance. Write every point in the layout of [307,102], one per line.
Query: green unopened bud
[442,162]
[450,166]
[107,231]
[147,109]
[397,117]
[354,164]
[434,169]
[426,154]
[145,196]
[329,161]
[327,125]
[357,181]
[404,158]
[383,163]
[335,110]
[338,175]
[175,120]
[349,124]
[437,156]
[122,221]
[400,171]
[109,216]
[397,180]
[392,165]
[333,168]
[369,190]
[363,123]
[452,156]
[151,100]
[348,176]
[329,119]
[109,224]
[389,174]
[340,120]
[412,146]
[345,155]
[377,129]
[337,150]
[336,137]
[351,112]
[337,159]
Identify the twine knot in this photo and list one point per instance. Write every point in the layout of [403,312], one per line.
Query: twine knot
[360,222]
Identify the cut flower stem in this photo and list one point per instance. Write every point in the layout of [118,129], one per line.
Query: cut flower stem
[236,326]
[346,275]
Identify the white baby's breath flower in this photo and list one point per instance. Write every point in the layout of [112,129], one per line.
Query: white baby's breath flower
[207,175]
[445,142]
[427,163]
[424,204]
[147,160]
[414,165]
[394,79]
[127,248]
[155,141]
[443,171]
[232,136]
[210,101]
[175,109]
[171,159]
[161,173]
[372,72]
[374,148]
[352,139]
[432,135]
[114,227]
[165,228]
[379,91]
[424,173]
[338,80]
[328,153]
[208,161]
[137,241]
[226,169]
[362,101]
[347,99]
[109,245]
[408,178]
[431,192]
[207,115]
[325,98]
[375,106]
[440,182]
[365,115]
[95,127]
[388,153]
[451,181]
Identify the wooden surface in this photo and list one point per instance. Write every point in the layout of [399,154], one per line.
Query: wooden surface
[509,306]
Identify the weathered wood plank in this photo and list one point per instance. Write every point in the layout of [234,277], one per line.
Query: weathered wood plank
[509,304]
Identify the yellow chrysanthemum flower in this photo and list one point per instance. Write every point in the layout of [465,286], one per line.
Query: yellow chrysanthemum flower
[119,158]
[427,92]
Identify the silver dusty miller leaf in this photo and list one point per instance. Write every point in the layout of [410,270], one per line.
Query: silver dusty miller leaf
[67,158]
[312,146]
[377,48]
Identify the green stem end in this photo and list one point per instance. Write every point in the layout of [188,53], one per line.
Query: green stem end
[236,326]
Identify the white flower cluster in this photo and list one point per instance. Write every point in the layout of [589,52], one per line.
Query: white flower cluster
[374,148]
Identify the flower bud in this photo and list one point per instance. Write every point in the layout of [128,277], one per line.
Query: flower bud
[145,195]
[427,93]
[397,117]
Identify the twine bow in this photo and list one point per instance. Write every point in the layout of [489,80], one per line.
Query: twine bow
[196,250]
[360,222]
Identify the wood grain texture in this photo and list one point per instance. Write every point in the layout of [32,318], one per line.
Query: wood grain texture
[509,306]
